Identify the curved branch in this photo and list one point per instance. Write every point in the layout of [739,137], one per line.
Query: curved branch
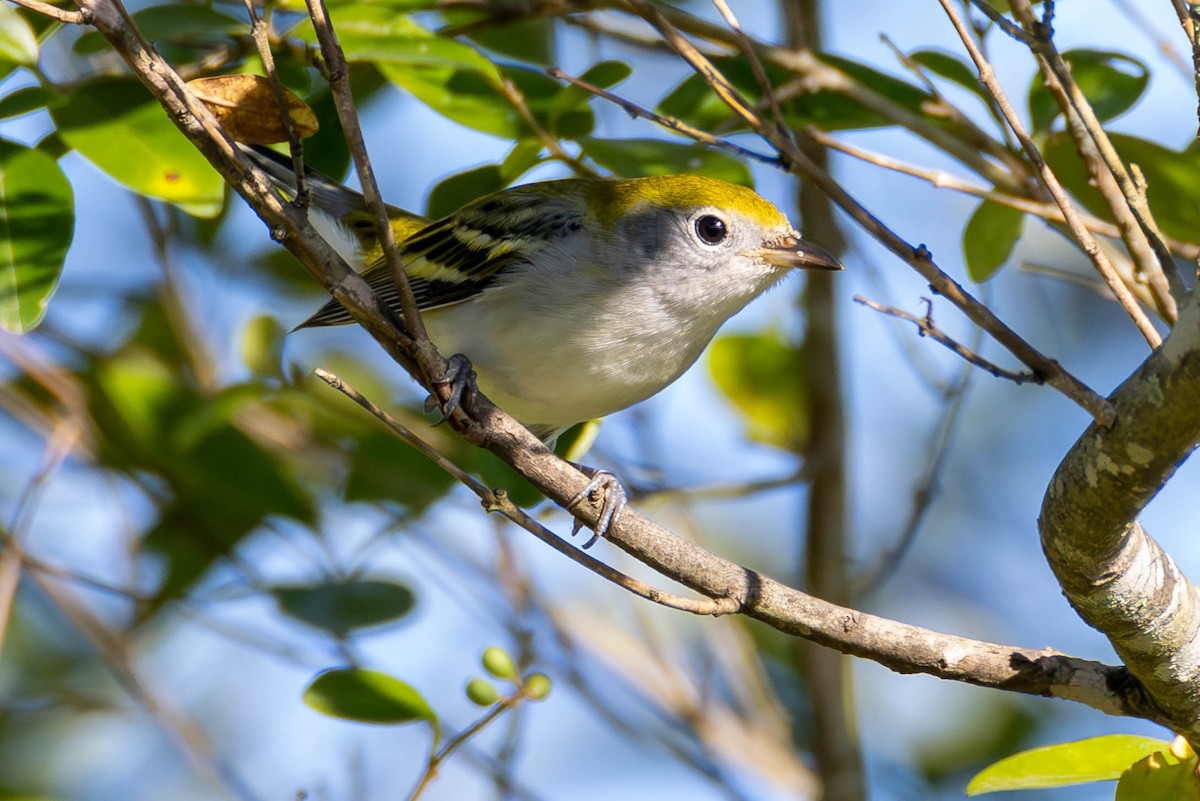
[1117,577]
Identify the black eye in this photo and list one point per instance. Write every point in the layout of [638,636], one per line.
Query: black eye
[711,230]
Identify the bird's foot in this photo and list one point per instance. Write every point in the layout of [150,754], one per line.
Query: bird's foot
[606,492]
[461,378]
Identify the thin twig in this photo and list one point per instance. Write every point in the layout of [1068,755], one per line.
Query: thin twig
[944,180]
[988,77]
[81,17]
[429,364]
[927,328]
[670,123]
[1127,199]
[516,99]
[756,65]
[259,32]
[917,257]
[498,501]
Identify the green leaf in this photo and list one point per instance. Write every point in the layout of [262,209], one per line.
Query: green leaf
[18,44]
[1160,777]
[1172,178]
[694,102]
[951,67]
[989,238]
[530,40]
[765,377]
[388,469]
[454,192]
[636,158]
[37,219]
[1095,759]
[1111,82]
[377,34]
[116,125]
[174,22]
[605,75]
[340,607]
[25,100]
[368,696]
[525,155]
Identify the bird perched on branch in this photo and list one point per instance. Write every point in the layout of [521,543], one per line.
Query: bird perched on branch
[572,299]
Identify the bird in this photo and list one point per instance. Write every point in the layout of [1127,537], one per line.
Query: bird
[574,298]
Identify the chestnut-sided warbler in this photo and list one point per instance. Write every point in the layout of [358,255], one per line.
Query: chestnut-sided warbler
[572,299]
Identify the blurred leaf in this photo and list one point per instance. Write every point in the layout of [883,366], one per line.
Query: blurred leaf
[451,194]
[377,34]
[1172,177]
[1160,777]
[764,376]
[530,40]
[25,100]
[368,696]
[386,468]
[343,606]
[172,22]
[37,220]
[605,75]
[636,158]
[1093,760]
[952,67]
[525,155]
[693,101]
[18,44]
[1111,82]
[114,123]
[989,238]
[262,345]
[246,107]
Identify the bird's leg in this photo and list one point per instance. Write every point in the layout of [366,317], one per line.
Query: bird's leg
[461,378]
[606,491]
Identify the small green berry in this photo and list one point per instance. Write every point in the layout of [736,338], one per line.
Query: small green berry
[498,663]
[537,686]
[482,692]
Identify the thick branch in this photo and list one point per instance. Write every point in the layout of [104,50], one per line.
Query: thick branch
[1117,577]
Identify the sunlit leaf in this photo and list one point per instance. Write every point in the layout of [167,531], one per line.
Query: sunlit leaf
[765,377]
[18,44]
[116,125]
[37,220]
[368,696]
[1166,776]
[989,238]
[1092,760]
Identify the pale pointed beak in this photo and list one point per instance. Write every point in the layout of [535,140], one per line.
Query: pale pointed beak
[792,253]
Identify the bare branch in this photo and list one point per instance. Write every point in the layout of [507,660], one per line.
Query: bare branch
[498,501]
[80,17]
[1050,181]
[927,328]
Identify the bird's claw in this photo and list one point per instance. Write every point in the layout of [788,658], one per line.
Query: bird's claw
[612,501]
[460,375]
